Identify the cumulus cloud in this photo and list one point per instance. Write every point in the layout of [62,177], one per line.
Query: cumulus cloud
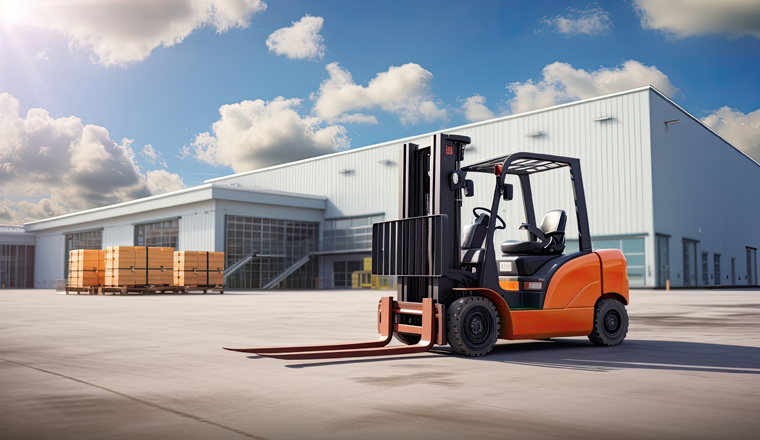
[403,90]
[591,21]
[300,41]
[162,181]
[152,156]
[560,82]
[742,130]
[256,134]
[120,32]
[63,164]
[475,109]
[686,18]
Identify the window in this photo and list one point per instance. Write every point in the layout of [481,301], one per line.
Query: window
[81,240]
[705,274]
[716,268]
[342,271]
[278,245]
[159,234]
[16,266]
[349,233]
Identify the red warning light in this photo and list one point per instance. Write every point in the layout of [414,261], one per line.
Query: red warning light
[497,170]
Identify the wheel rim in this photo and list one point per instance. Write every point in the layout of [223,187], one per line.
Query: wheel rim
[612,322]
[477,328]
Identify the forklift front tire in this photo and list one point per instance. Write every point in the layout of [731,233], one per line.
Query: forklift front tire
[610,323]
[473,326]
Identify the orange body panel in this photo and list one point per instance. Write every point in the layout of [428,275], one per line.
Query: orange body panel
[537,324]
[614,272]
[579,276]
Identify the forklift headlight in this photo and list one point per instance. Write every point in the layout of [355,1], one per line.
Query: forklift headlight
[533,285]
[456,180]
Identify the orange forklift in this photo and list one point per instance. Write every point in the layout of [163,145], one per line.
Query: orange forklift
[454,290]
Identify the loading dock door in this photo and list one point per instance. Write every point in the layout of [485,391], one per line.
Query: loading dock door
[663,260]
[751,266]
[689,262]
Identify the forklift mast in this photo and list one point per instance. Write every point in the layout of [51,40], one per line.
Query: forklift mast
[432,207]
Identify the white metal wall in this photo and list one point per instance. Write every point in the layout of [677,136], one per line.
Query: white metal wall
[196,232]
[614,155]
[704,190]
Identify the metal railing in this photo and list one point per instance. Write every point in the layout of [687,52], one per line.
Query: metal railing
[409,247]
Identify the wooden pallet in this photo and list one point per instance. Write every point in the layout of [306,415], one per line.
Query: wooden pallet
[142,289]
[205,289]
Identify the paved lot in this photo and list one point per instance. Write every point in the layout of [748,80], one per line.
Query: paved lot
[152,367]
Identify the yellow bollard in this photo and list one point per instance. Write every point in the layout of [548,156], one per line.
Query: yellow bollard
[667,285]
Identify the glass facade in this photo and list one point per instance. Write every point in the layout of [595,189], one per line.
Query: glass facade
[81,240]
[349,234]
[159,234]
[278,243]
[16,266]
[342,271]
[633,249]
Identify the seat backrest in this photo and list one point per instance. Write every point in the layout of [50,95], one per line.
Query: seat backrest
[554,220]
[474,234]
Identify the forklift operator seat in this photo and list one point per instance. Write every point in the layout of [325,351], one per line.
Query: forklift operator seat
[551,237]
[473,237]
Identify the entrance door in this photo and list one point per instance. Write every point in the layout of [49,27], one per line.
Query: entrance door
[663,260]
[689,262]
[751,266]
[733,271]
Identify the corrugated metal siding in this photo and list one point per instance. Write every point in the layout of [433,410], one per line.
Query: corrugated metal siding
[118,235]
[48,260]
[613,155]
[196,228]
[704,190]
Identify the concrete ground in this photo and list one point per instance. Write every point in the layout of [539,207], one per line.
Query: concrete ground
[93,367]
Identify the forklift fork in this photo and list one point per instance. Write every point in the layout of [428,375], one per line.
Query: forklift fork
[432,332]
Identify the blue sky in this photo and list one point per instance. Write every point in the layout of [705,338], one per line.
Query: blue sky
[81,62]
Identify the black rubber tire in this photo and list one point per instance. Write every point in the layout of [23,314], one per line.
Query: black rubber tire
[610,323]
[407,338]
[472,326]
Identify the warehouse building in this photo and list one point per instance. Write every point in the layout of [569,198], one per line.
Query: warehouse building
[660,185]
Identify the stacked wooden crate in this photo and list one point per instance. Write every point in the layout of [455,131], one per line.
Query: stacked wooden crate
[138,265]
[86,267]
[197,268]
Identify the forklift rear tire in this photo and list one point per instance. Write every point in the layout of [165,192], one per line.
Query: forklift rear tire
[473,326]
[407,338]
[610,323]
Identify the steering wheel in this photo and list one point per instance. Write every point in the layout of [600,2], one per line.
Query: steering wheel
[480,208]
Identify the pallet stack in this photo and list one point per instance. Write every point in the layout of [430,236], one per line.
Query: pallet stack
[197,268]
[86,267]
[138,265]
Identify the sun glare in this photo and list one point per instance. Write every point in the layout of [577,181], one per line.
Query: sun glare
[13,11]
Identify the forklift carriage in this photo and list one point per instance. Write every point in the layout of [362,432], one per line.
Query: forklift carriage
[452,287]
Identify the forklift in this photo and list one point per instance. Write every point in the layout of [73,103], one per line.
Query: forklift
[452,287]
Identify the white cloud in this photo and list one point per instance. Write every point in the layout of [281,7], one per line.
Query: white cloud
[152,156]
[686,18]
[403,90]
[120,32]
[162,181]
[475,109]
[42,55]
[560,82]
[591,21]
[742,130]
[300,41]
[63,164]
[256,134]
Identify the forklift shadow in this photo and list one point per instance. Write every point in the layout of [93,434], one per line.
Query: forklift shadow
[576,354]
